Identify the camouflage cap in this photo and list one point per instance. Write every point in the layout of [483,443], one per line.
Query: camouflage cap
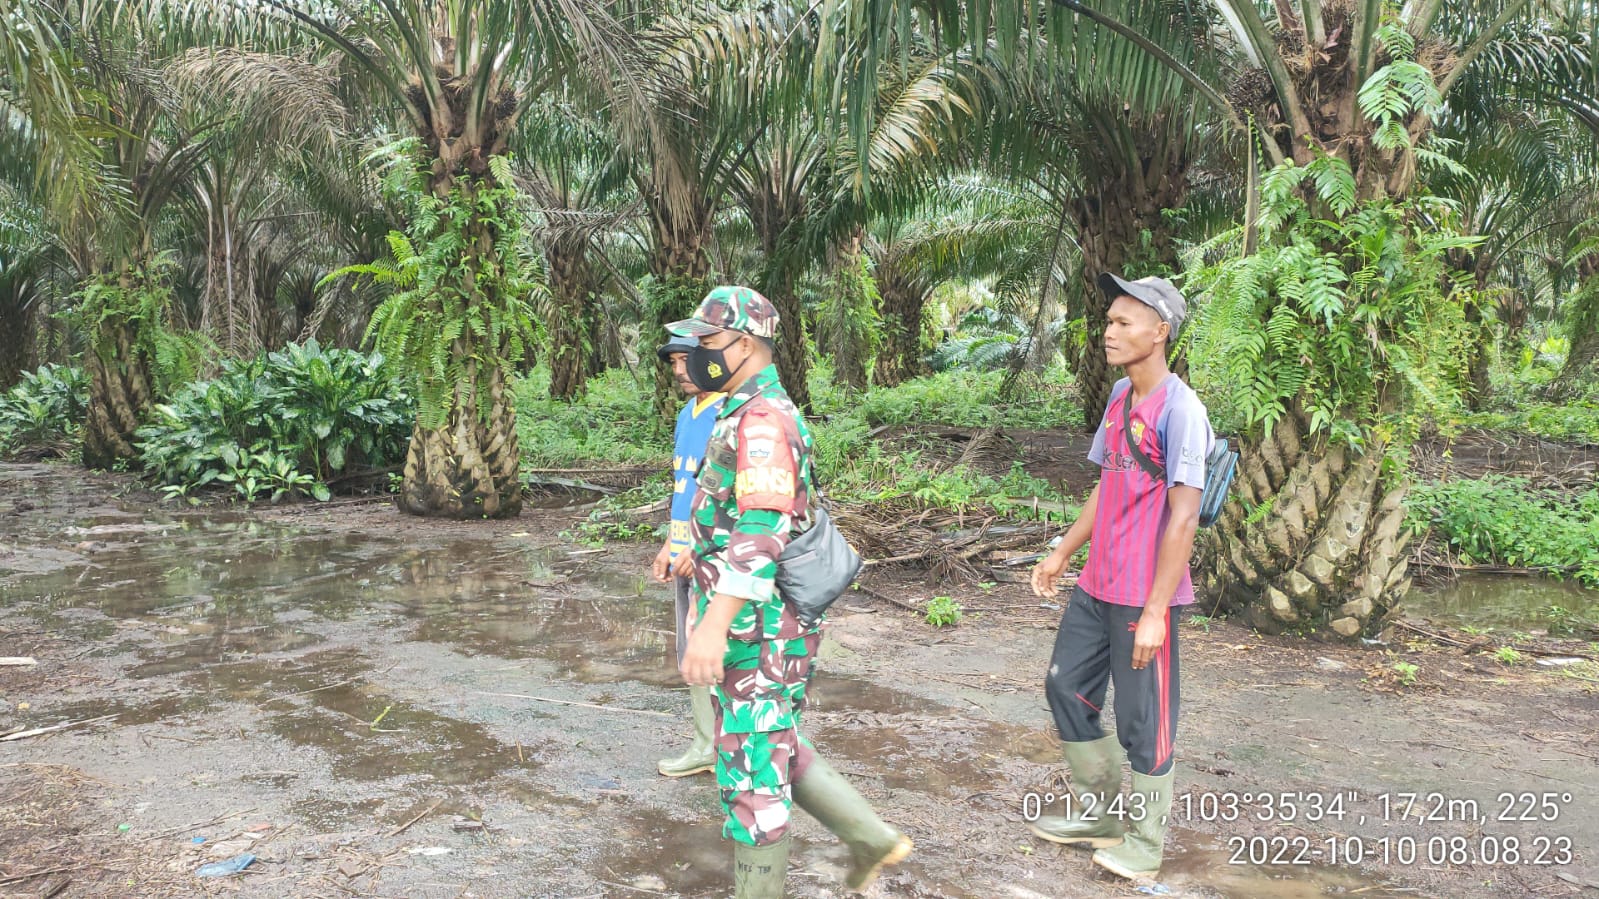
[730,309]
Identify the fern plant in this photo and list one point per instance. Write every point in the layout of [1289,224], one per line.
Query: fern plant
[138,300]
[461,280]
[1359,320]
[848,326]
[1349,309]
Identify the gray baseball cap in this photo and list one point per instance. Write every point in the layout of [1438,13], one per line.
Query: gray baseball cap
[675,344]
[1158,294]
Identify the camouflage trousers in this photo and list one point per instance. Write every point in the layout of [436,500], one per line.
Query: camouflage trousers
[759,752]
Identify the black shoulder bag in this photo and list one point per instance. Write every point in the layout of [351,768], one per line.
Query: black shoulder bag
[817,566]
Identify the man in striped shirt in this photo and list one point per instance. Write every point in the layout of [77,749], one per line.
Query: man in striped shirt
[1139,524]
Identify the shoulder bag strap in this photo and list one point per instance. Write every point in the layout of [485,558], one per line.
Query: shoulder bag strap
[1156,472]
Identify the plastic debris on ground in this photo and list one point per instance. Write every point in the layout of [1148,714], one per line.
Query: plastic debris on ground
[233,865]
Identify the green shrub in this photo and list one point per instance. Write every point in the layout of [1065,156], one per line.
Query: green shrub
[943,611]
[44,408]
[1504,521]
[962,398]
[614,424]
[280,424]
[1574,422]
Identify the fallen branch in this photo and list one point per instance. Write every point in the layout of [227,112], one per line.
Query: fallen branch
[407,825]
[24,734]
[1505,570]
[1010,542]
[586,705]
[17,661]
[1438,637]
[1554,653]
[573,484]
[889,599]
[188,827]
[1483,644]
[29,876]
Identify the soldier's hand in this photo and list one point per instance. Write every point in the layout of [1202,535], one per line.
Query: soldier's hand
[662,565]
[702,658]
[684,565]
[1047,574]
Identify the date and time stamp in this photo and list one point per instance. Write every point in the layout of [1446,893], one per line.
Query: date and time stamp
[1522,816]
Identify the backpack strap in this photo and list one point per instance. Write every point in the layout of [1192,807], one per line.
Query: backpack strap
[1156,472]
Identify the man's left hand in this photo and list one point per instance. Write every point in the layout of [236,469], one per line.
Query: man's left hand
[1148,639]
[683,565]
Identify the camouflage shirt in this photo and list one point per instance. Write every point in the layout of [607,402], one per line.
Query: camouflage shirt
[754,491]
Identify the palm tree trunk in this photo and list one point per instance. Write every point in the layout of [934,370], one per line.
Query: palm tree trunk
[1582,360]
[119,394]
[793,356]
[468,468]
[1480,353]
[900,358]
[1121,228]
[1582,325]
[681,267]
[572,286]
[1107,230]
[16,333]
[1330,548]
[1316,540]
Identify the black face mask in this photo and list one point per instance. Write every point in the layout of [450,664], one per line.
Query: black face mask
[707,368]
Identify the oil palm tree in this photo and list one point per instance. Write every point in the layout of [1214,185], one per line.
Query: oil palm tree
[1360,84]
[578,184]
[460,76]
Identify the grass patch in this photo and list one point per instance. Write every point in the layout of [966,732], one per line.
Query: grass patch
[1574,422]
[613,425]
[1504,521]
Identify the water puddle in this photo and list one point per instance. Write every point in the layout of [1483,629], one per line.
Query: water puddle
[219,622]
[1504,603]
[367,736]
[686,858]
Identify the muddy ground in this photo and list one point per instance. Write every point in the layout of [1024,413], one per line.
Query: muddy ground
[347,694]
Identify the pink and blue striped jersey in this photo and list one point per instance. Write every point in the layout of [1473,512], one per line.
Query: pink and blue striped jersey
[1172,428]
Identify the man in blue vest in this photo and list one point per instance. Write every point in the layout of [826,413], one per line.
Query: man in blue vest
[674,562]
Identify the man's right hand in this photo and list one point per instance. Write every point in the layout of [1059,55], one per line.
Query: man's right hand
[1047,574]
[662,566]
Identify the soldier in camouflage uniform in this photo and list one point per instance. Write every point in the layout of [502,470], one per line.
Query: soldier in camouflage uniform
[755,494]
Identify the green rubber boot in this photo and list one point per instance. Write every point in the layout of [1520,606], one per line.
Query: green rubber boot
[758,871]
[1138,856]
[832,800]
[1096,770]
[701,754]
